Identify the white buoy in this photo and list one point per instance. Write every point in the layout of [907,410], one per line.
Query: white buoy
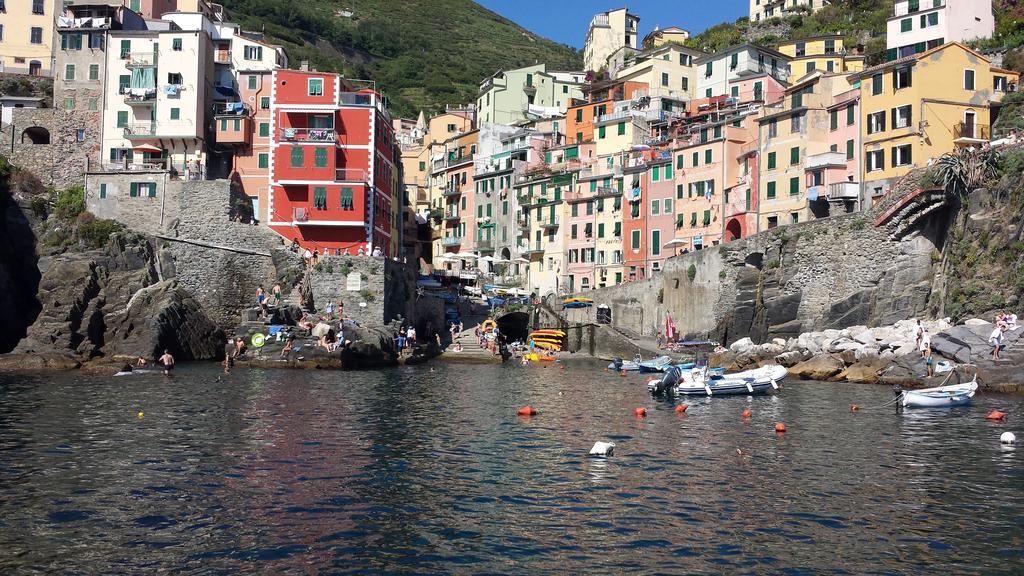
[1007,438]
[602,449]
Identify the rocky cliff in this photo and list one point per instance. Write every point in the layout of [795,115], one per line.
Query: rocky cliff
[19,276]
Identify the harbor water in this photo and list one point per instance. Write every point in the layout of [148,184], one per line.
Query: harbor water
[409,470]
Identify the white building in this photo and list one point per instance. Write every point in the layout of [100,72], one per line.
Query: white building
[716,72]
[919,25]
[763,9]
[608,32]
[158,88]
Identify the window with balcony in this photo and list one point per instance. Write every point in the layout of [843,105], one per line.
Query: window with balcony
[320,198]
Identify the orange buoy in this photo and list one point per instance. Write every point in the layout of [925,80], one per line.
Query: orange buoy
[681,408]
[780,427]
[995,415]
[745,413]
[854,408]
[526,411]
[640,412]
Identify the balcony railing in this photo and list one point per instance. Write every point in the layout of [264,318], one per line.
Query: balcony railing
[549,223]
[139,59]
[307,134]
[452,191]
[230,108]
[590,172]
[451,241]
[826,160]
[153,129]
[451,216]
[485,244]
[144,98]
[350,175]
[972,132]
[69,23]
[356,99]
[614,116]
[844,190]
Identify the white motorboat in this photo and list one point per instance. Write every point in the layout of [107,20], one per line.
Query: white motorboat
[704,382]
[940,396]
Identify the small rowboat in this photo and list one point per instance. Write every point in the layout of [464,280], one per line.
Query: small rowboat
[655,365]
[705,383]
[940,396]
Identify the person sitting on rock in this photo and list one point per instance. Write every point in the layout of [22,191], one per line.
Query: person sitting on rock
[141,361]
[289,345]
[239,347]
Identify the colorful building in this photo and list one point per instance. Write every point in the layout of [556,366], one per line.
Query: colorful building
[800,157]
[523,94]
[27,34]
[826,53]
[332,163]
[920,25]
[716,73]
[661,36]
[608,32]
[764,9]
[917,108]
[667,71]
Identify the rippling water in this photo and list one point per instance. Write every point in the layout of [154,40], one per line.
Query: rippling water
[295,472]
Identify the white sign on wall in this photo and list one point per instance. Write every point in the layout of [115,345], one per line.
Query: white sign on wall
[354,282]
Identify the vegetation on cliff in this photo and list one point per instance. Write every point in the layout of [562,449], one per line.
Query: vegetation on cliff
[422,54]
[860,22]
[984,254]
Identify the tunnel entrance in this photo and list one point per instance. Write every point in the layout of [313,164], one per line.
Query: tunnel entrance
[515,326]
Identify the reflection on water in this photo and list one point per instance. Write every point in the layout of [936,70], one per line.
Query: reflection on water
[408,470]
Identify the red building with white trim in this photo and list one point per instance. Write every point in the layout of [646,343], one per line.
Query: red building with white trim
[332,163]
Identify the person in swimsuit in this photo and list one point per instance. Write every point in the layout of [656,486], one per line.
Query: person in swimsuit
[168,361]
[261,298]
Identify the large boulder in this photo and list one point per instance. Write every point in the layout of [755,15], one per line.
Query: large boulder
[743,346]
[160,317]
[19,275]
[822,367]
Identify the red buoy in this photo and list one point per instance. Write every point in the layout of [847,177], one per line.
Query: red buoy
[780,427]
[995,415]
[526,411]
[681,408]
[640,412]
[854,408]
[745,413]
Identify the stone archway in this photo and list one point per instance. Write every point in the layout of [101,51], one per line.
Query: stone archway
[733,230]
[35,135]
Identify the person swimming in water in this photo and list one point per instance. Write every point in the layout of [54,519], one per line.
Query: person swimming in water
[168,361]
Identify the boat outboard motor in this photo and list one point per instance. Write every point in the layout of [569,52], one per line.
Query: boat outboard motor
[617,363]
[668,382]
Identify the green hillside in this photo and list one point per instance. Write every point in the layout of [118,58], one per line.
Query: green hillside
[860,21]
[422,53]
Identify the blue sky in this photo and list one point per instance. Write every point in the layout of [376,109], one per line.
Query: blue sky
[566,21]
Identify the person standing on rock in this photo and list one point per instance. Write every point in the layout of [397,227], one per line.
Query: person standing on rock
[996,340]
[261,298]
[276,290]
[918,332]
[168,361]
[925,344]
[229,360]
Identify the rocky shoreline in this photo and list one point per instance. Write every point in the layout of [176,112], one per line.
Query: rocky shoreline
[885,355]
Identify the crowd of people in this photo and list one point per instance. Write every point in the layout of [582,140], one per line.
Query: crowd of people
[312,257]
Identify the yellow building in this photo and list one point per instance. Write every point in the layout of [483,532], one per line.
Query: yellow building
[667,70]
[800,154]
[661,36]
[27,32]
[827,53]
[917,108]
